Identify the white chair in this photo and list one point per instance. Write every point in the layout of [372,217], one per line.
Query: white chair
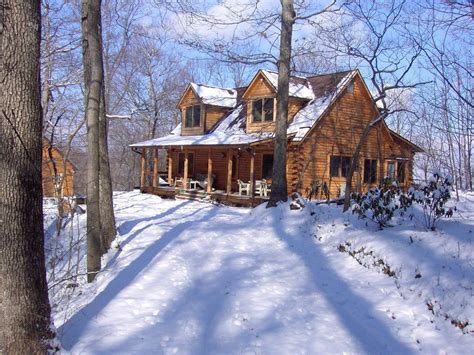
[243,187]
[258,187]
[265,189]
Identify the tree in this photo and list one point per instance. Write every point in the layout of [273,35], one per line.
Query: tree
[279,181]
[385,48]
[24,306]
[93,84]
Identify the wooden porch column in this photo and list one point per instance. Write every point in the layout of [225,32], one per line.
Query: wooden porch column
[209,171]
[229,171]
[155,167]
[143,167]
[252,174]
[185,177]
[170,167]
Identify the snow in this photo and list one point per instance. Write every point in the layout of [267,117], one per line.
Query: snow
[313,111]
[215,96]
[194,277]
[229,132]
[299,90]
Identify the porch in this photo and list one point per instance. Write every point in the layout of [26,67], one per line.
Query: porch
[239,175]
[233,199]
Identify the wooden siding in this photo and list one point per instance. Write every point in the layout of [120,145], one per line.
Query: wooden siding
[337,134]
[66,170]
[294,105]
[190,99]
[260,87]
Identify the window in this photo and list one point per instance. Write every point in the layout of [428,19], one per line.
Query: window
[370,171]
[262,110]
[401,168]
[267,166]
[181,163]
[391,170]
[192,116]
[339,166]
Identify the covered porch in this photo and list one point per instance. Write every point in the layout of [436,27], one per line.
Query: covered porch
[235,175]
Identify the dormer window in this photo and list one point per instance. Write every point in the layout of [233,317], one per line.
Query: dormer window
[262,110]
[192,116]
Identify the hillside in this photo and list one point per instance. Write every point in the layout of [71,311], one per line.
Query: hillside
[191,277]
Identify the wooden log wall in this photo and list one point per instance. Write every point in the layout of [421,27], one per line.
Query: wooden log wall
[337,134]
[63,168]
[260,88]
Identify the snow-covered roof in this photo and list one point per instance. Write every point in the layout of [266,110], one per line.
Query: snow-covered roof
[298,86]
[231,130]
[228,132]
[210,95]
[313,111]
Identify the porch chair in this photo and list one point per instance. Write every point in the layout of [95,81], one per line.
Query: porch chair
[259,187]
[265,189]
[243,187]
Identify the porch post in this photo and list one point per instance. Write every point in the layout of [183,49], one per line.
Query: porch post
[229,171]
[155,167]
[185,177]
[252,174]
[143,167]
[170,167]
[209,171]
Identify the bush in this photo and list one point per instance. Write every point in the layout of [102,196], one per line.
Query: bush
[433,197]
[380,203]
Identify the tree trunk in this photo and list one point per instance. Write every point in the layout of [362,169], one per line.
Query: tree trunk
[107,217]
[24,305]
[355,159]
[279,181]
[93,80]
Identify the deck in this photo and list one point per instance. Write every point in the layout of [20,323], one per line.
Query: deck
[232,199]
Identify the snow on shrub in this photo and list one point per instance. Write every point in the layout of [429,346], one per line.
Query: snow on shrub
[380,203]
[433,197]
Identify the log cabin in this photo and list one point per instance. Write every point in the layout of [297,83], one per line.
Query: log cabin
[223,147]
[57,172]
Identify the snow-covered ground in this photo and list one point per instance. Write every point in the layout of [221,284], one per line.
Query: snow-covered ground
[196,278]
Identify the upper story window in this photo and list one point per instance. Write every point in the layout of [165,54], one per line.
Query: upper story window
[262,110]
[192,116]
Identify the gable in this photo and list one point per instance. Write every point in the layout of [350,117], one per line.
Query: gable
[343,122]
[259,87]
[188,98]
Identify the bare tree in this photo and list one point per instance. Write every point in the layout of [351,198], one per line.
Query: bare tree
[93,83]
[385,50]
[24,306]
[279,181]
